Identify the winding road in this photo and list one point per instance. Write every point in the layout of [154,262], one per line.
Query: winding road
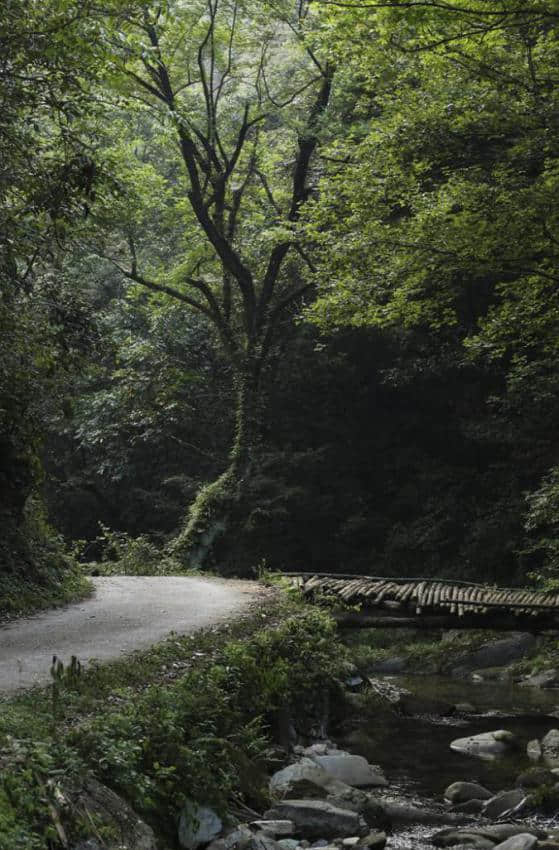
[125,613]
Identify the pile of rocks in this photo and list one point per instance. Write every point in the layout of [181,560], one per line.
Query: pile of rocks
[546,750]
[319,801]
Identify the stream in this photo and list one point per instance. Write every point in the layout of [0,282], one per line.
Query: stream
[414,751]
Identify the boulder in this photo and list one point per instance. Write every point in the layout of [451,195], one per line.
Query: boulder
[534,750]
[104,807]
[352,770]
[318,819]
[550,748]
[504,802]
[523,841]
[487,745]
[534,777]
[497,653]
[462,792]
[197,825]
[303,780]
[288,843]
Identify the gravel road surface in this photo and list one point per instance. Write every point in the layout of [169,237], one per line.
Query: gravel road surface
[125,613]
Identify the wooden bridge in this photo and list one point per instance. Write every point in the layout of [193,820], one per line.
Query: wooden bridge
[430,603]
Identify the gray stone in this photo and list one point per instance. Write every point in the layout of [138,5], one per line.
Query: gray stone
[550,748]
[275,827]
[545,679]
[534,750]
[374,841]
[351,841]
[497,653]
[504,802]
[303,780]
[523,841]
[318,819]
[108,809]
[288,843]
[352,770]
[197,825]
[487,745]
[462,792]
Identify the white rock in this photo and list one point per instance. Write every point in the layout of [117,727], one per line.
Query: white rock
[197,825]
[550,748]
[299,779]
[353,770]
[487,745]
[534,750]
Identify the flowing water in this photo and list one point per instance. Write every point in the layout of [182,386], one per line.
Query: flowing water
[415,753]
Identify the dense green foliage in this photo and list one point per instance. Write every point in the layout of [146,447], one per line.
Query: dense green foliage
[279,284]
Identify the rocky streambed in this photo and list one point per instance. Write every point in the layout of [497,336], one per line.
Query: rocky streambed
[419,762]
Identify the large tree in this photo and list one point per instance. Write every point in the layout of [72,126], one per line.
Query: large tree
[229,99]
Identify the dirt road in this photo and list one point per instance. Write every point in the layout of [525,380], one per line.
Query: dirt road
[125,613]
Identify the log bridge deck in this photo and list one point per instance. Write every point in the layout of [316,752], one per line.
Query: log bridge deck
[430,603]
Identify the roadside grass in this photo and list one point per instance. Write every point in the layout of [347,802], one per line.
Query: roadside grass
[197,717]
[20,596]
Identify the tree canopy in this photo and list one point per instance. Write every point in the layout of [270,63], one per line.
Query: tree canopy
[283,276]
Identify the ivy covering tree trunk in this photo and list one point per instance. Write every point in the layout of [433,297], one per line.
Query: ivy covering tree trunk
[245,135]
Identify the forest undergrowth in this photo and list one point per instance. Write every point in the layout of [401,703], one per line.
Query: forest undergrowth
[198,717]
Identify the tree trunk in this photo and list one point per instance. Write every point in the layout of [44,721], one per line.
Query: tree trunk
[215,513]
